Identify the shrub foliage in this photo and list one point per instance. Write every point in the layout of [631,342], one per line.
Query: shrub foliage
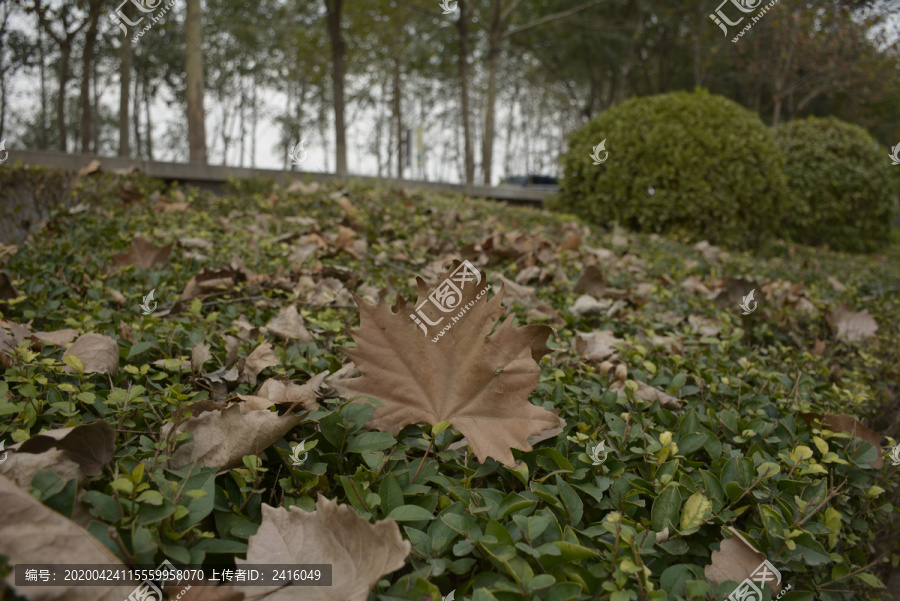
[713,167]
[842,189]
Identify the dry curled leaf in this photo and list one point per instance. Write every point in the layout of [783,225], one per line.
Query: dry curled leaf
[850,325]
[143,253]
[222,437]
[98,354]
[91,446]
[7,290]
[199,355]
[21,467]
[842,422]
[360,553]
[597,346]
[736,560]
[648,393]
[262,357]
[592,281]
[30,530]
[288,393]
[56,337]
[453,372]
[288,325]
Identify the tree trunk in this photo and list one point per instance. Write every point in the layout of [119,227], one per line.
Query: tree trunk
[136,118]
[398,117]
[193,62]
[338,50]
[65,55]
[43,91]
[463,26]
[87,59]
[125,91]
[510,128]
[148,132]
[487,142]
[253,128]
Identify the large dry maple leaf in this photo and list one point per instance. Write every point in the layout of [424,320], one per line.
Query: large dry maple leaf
[436,362]
[359,552]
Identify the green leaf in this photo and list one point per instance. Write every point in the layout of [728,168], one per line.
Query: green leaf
[696,510]
[74,362]
[410,513]
[665,508]
[869,579]
[150,496]
[574,506]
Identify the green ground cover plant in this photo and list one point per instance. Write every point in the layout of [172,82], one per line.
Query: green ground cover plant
[211,415]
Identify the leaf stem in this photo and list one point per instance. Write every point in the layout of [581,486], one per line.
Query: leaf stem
[413,481]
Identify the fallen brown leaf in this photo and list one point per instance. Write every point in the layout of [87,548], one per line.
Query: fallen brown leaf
[29,530]
[199,355]
[693,285]
[222,437]
[91,446]
[143,253]
[288,325]
[210,280]
[7,290]
[98,353]
[360,553]
[841,422]
[262,357]
[592,281]
[279,392]
[597,346]
[479,383]
[851,326]
[648,393]
[736,560]
[298,186]
[21,467]
[56,337]
[836,284]
[92,167]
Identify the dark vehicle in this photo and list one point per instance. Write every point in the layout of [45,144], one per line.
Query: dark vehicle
[538,182]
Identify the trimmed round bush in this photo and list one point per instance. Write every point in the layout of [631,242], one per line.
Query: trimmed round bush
[694,166]
[842,186]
